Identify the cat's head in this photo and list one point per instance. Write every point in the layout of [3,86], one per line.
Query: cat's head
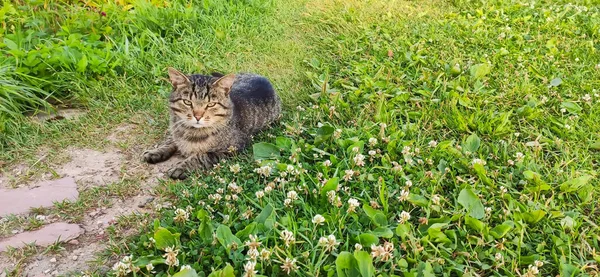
[201,105]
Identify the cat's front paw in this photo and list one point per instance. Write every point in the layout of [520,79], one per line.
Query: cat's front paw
[178,173]
[153,156]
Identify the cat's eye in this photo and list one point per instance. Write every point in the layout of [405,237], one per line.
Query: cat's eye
[187,102]
[211,104]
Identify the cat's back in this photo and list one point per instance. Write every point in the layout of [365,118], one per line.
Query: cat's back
[252,86]
[256,102]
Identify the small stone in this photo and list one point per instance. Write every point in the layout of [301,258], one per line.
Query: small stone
[54,273]
[74,242]
[145,202]
[53,260]
[15,232]
[100,223]
[47,270]
[39,258]
[74,258]
[40,217]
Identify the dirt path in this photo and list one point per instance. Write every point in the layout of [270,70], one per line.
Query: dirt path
[81,198]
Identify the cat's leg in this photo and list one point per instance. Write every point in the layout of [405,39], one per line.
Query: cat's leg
[198,161]
[161,153]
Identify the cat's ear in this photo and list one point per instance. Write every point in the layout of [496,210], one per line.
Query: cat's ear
[177,78]
[224,84]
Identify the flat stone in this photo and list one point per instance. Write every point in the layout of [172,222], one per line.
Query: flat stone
[21,200]
[46,236]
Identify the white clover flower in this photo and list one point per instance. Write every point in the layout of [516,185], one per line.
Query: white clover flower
[383,252]
[538,263]
[359,160]
[337,133]
[253,242]
[318,219]
[149,267]
[353,204]
[478,161]
[322,241]
[503,190]
[372,142]
[265,255]
[327,163]
[248,213]
[408,183]
[181,216]
[586,98]
[264,170]
[331,196]
[404,195]
[404,217]
[289,265]
[260,194]
[249,269]
[372,152]
[171,256]
[121,269]
[253,254]
[186,267]
[235,188]
[348,174]
[406,150]
[433,144]
[268,189]
[358,247]
[235,168]
[287,202]
[329,243]
[533,270]
[355,149]
[293,195]
[287,237]
[519,156]
[396,166]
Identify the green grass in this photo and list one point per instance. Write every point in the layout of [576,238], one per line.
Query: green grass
[476,123]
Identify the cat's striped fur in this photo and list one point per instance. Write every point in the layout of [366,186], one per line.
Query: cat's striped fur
[213,116]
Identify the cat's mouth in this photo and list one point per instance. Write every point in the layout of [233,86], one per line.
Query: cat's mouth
[197,125]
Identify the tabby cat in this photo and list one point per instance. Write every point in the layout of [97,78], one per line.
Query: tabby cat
[213,116]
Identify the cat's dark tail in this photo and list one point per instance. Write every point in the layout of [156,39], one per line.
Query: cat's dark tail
[217,74]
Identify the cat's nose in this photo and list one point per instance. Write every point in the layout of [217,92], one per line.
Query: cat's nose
[198,117]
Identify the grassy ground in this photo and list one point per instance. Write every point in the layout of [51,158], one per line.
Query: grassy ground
[450,138]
